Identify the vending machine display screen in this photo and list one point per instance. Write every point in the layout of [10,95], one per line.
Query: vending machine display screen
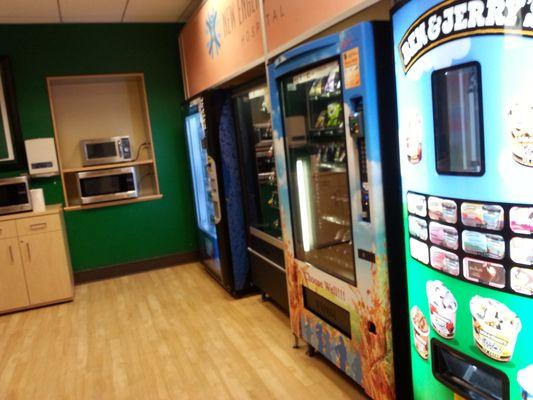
[458,126]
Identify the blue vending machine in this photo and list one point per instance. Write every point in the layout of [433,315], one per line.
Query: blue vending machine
[464,72]
[217,190]
[333,110]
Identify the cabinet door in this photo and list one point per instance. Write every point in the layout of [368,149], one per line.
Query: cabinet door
[13,292]
[47,268]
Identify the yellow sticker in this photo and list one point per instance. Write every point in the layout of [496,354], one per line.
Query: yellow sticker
[352,72]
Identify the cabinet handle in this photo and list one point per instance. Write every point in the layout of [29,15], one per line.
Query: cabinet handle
[34,227]
[11,255]
[29,251]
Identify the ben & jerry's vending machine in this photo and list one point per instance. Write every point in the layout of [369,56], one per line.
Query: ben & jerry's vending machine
[465,105]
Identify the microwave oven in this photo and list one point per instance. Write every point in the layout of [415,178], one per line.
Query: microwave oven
[108,185]
[15,195]
[106,151]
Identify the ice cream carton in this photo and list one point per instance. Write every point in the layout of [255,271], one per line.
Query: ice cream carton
[495,328]
[443,309]
[525,380]
[421,332]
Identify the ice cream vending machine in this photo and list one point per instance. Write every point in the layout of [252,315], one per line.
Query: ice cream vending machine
[464,93]
[333,113]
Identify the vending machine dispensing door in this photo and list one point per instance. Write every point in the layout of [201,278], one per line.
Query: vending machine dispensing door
[463,72]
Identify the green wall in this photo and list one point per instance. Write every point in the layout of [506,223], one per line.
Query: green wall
[112,235]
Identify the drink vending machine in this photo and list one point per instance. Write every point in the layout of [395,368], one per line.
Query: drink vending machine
[213,158]
[336,159]
[465,105]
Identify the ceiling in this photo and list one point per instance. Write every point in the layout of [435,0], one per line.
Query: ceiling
[94,11]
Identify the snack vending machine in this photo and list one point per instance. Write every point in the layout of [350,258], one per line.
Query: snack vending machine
[217,189]
[258,170]
[336,155]
[464,84]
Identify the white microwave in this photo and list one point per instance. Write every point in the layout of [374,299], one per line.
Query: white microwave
[110,150]
[108,185]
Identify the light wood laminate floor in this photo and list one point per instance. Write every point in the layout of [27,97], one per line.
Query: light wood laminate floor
[166,334]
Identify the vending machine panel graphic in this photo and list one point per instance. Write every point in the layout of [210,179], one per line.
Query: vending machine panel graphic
[464,84]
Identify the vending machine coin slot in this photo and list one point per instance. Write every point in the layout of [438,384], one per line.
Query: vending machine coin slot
[357,131]
[372,328]
[366,255]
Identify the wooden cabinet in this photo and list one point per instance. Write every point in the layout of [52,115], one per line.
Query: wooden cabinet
[34,261]
[13,291]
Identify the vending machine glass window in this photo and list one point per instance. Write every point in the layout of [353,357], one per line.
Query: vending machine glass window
[200,177]
[253,115]
[317,166]
[458,120]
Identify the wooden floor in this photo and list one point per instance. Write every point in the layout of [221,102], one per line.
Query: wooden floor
[167,334]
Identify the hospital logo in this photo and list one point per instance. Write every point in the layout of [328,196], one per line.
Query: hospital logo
[213,44]
[455,19]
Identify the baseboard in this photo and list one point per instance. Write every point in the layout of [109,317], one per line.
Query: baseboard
[135,267]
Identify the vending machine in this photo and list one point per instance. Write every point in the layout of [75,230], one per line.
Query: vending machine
[258,171]
[217,189]
[333,114]
[465,105]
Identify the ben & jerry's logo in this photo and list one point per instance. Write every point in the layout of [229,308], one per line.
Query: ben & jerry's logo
[454,19]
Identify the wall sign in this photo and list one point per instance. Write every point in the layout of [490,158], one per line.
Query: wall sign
[289,22]
[455,19]
[220,41]
[224,38]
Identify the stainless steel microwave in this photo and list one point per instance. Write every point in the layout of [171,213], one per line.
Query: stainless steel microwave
[15,195]
[108,185]
[106,151]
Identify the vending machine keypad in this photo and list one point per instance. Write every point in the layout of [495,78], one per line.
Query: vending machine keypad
[357,131]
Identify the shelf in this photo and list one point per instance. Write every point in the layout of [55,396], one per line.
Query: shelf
[335,220]
[325,96]
[326,133]
[264,154]
[107,166]
[114,203]
[264,142]
[332,167]
[87,107]
[266,177]
[262,125]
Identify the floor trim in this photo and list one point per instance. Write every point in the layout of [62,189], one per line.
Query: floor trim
[135,267]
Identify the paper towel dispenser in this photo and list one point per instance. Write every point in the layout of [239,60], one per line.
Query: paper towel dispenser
[42,157]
